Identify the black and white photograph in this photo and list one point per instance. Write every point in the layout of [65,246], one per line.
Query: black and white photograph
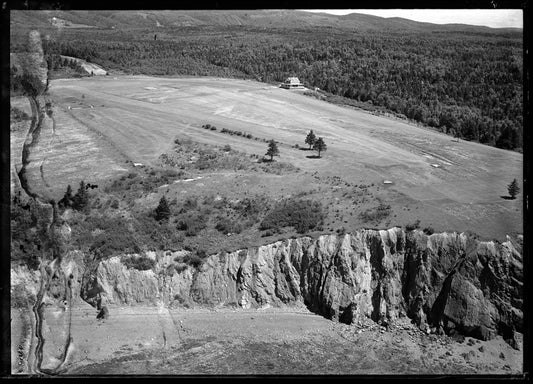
[266,192]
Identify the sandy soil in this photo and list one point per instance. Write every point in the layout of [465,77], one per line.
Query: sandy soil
[151,340]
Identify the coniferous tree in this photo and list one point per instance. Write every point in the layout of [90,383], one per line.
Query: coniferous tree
[162,212]
[67,199]
[80,200]
[320,146]
[513,189]
[310,139]
[272,149]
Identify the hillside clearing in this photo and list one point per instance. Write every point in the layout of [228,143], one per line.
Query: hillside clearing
[138,118]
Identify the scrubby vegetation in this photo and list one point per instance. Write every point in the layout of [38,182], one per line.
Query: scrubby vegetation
[303,215]
[413,226]
[140,263]
[376,214]
[27,237]
[188,156]
[18,115]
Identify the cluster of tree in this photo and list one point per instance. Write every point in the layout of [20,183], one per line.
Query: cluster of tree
[56,62]
[79,201]
[316,143]
[467,84]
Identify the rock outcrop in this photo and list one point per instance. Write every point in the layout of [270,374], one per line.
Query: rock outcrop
[446,282]
[449,281]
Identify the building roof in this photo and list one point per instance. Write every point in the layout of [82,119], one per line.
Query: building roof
[292,80]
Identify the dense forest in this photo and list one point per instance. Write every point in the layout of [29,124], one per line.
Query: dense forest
[465,84]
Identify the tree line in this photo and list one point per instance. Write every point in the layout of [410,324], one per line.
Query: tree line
[467,85]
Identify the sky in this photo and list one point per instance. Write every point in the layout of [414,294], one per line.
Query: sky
[495,18]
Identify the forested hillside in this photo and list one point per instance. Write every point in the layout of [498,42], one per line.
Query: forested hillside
[466,83]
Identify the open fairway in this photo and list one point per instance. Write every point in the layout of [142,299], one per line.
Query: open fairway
[451,186]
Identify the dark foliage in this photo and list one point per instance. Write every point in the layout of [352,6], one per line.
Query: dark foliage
[191,222]
[429,230]
[80,201]
[141,263]
[18,115]
[68,199]
[413,226]
[310,139]
[303,215]
[376,214]
[513,189]
[26,242]
[469,83]
[162,212]
[272,149]
[320,146]
[226,225]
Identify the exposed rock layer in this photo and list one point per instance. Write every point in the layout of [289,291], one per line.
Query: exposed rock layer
[444,280]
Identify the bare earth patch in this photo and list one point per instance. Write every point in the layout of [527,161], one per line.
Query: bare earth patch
[148,340]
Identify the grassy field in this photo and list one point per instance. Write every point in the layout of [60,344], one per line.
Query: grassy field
[105,125]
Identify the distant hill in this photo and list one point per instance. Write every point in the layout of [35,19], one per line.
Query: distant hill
[248,18]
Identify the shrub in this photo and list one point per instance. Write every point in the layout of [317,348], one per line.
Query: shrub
[193,260]
[192,223]
[157,236]
[376,214]
[213,128]
[303,215]
[227,148]
[180,267]
[21,298]
[141,263]
[413,226]
[429,231]
[19,115]
[226,225]
[109,243]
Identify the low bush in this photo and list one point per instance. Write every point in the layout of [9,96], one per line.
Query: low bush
[111,243]
[429,230]
[413,226]
[226,225]
[19,115]
[180,267]
[376,214]
[191,222]
[193,260]
[21,298]
[140,263]
[303,215]
[277,168]
[27,240]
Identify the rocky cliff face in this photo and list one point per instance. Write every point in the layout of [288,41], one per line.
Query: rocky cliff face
[445,280]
